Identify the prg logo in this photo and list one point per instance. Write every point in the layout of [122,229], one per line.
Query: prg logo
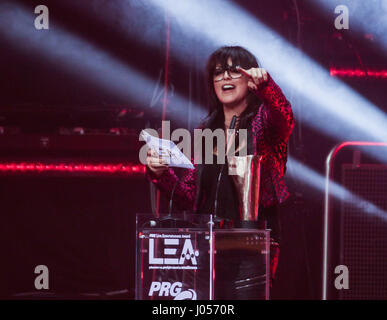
[168,289]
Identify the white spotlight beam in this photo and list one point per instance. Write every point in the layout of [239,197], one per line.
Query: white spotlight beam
[81,59]
[317,181]
[340,108]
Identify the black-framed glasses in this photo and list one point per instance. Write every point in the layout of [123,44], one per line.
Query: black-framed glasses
[231,70]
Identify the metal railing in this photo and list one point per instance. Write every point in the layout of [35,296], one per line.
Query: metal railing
[327,203]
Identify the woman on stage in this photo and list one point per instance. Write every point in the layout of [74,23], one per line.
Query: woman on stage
[237,86]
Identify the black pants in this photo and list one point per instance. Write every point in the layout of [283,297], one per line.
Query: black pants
[240,275]
[242,279]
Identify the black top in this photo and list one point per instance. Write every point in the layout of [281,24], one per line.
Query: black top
[228,203]
[227,206]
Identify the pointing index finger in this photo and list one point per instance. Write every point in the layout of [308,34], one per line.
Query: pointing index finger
[243,71]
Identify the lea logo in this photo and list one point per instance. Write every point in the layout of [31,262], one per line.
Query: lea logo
[176,252]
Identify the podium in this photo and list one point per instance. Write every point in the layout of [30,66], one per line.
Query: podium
[185,257]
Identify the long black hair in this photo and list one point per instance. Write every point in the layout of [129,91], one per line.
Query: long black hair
[240,57]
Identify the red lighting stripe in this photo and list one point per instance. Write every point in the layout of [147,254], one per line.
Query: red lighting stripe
[70,167]
[358,73]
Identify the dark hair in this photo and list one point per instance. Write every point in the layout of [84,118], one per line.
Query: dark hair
[241,57]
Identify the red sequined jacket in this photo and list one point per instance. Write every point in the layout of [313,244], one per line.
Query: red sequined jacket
[271,129]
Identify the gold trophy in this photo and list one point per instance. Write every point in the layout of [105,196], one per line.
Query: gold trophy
[245,171]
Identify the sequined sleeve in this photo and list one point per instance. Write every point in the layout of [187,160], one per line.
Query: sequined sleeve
[185,192]
[277,115]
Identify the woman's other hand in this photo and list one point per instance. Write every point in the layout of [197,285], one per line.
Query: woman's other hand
[155,163]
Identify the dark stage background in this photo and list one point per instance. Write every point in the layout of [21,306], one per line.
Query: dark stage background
[101,67]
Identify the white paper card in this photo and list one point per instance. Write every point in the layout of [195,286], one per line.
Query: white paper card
[168,151]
